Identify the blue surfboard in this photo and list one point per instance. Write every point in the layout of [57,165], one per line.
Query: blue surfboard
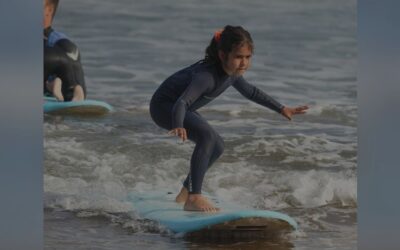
[86,107]
[162,208]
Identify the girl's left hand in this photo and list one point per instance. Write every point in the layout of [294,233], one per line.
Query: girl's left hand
[289,112]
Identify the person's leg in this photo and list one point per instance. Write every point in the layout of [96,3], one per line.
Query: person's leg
[209,147]
[63,61]
[217,152]
[72,71]
[52,83]
[79,94]
[54,86]
[73,80]
[161,113]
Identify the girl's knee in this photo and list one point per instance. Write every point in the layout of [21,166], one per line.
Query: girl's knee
[207,135]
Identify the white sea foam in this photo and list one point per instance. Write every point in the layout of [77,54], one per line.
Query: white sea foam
[318,188]
[76,194]
[320,150]
[276,189]
[94,180]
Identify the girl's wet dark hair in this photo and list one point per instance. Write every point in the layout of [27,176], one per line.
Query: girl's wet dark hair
[231,37]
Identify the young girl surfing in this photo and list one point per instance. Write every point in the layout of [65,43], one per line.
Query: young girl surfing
[174,104]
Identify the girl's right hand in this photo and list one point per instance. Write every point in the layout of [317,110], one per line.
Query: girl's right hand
[181,132]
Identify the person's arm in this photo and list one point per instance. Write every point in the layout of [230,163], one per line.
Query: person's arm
[256,95]
[201,83]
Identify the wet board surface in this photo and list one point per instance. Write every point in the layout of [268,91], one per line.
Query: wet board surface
[86,107]
[161,207]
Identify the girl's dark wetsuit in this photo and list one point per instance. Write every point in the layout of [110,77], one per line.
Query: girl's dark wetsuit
[175,102]
[62,59]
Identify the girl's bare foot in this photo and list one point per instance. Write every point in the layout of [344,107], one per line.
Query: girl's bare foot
[197,202]
[182,196]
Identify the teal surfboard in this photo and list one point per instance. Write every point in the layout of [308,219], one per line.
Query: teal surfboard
[162,208]
[86,107]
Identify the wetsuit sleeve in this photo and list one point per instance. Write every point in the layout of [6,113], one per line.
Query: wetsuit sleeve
[201,84]
[256,95]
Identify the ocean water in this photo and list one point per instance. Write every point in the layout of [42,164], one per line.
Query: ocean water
[305,53]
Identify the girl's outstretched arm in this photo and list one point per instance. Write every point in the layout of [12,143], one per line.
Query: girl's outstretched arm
[258,96]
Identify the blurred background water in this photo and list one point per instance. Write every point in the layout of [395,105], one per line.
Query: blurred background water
[305,53]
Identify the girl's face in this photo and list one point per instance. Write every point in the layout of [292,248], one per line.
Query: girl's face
[237,61]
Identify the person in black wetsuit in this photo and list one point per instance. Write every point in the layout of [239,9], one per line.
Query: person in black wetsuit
[63,73]
[174,104]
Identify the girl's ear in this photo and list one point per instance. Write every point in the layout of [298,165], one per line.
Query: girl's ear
[221,55]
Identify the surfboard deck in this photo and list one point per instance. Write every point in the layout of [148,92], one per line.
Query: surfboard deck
[232,220]
[80,108]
